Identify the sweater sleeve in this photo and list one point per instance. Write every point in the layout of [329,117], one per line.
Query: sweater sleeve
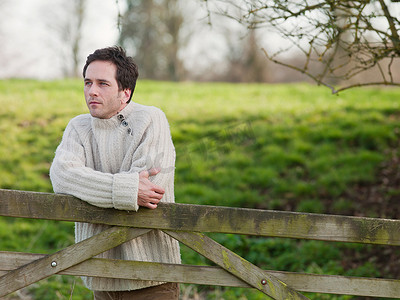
[162,153]
[69,175]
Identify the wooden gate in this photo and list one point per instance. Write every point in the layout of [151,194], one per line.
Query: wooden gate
[187,223]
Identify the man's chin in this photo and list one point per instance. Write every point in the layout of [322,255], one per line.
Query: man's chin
[96,114]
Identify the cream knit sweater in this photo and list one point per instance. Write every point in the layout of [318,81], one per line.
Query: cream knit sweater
[99,160]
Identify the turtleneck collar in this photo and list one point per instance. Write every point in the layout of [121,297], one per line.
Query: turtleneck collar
[115,120]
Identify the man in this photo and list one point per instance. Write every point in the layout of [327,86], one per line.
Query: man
[119,156]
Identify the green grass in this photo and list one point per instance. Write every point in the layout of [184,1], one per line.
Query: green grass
[286,147]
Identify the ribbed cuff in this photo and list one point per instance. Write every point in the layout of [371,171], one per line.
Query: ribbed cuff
[125,191]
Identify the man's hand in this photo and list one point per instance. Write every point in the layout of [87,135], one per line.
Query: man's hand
[149,194]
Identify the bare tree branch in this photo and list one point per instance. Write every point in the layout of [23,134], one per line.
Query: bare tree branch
[341,41]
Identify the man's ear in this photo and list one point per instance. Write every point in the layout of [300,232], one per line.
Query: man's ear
[126,94]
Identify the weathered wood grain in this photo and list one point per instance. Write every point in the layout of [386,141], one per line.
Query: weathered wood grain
[236,265]
[332,284]
[201,218]
[72,255]
[198,219]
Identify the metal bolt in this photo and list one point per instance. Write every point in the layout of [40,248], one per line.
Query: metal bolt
[263,281]
[54,264]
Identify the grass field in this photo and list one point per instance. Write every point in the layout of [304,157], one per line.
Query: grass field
[285,147]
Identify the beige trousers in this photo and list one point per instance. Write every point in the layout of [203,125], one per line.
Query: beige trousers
[166,291]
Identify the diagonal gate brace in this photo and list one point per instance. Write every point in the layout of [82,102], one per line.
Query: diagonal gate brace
[236,265]
[68,257]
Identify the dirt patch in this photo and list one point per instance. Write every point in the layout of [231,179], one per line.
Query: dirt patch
[381,200]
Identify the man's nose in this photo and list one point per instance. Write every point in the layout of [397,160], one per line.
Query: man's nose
[93,91]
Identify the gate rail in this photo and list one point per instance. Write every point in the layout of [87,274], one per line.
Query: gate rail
[187,223]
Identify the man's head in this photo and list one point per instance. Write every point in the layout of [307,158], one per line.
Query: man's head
[110,79]
[127,70]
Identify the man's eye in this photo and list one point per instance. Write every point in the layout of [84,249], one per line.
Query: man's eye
[87,83]
[104,83]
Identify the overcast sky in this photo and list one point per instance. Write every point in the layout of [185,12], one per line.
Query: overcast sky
[26,47]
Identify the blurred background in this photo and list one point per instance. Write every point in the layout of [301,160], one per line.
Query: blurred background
[218,40]
[50,39]
[248,127]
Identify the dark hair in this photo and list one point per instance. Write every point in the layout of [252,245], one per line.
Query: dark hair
[127,70]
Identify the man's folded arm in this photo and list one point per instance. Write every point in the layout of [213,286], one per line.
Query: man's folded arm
[69,175]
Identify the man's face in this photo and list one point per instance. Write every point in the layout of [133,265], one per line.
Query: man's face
[103,97]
